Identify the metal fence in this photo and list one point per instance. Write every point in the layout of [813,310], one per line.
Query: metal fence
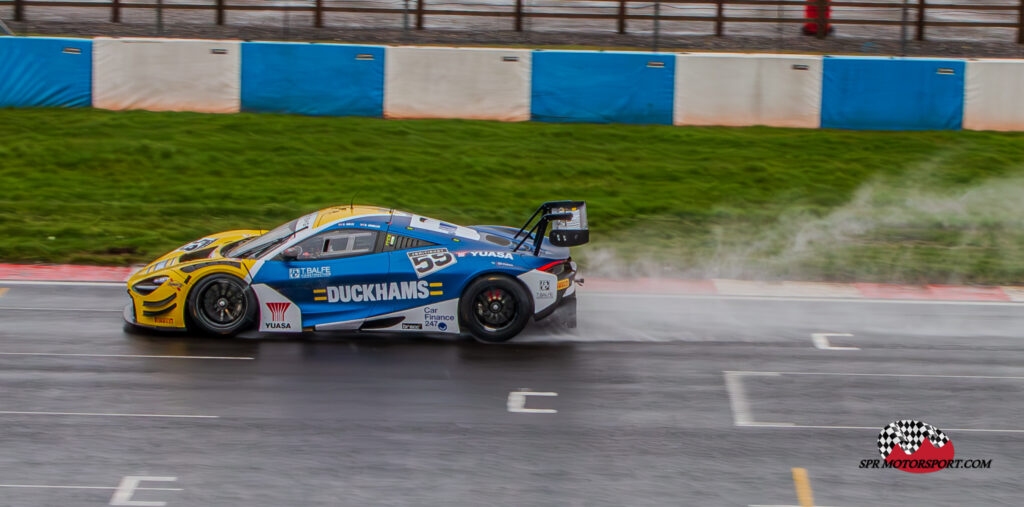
[917,15]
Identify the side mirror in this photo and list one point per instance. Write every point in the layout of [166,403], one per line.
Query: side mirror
[291,253]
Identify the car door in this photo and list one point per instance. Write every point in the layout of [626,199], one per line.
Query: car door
[337,277]
[432,269]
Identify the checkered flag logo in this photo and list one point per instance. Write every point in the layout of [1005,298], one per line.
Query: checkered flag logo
[909,435]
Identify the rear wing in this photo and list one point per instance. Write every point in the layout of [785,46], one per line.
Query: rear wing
[568,220]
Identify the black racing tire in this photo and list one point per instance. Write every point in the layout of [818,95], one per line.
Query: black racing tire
[494,308]
[221,304]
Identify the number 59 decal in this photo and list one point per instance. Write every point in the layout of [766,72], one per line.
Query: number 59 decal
[425,262]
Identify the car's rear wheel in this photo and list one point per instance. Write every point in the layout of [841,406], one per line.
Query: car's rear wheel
[494,308]
[221,304]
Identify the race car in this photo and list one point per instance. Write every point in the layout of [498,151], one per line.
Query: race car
[365,268]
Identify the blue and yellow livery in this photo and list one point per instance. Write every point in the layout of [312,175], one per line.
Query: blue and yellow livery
[363,268]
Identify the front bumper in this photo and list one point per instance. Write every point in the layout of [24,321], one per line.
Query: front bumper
[129,313]
[161,309]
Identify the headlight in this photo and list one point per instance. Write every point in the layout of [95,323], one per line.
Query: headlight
[159,265]
[147,286]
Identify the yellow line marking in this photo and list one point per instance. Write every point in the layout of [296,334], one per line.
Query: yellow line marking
[803,487]
[3,291]
[435,284]
[319,291]
[320,298]
[436,293]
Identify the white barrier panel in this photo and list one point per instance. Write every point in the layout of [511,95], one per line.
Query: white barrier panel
[992,95]
[484,84]
[167,75]
[747,89]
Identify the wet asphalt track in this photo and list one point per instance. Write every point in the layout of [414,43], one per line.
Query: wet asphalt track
[646,413]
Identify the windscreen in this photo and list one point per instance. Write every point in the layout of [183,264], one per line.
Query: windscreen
[256,247]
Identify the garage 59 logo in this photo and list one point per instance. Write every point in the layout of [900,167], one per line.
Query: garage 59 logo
[919,448]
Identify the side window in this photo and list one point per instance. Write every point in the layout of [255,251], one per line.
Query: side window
[398,242]
[337,243]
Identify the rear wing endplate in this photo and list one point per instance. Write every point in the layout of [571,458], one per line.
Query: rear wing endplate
[568,220]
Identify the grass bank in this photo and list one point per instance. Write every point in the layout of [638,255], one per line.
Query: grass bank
[90,186]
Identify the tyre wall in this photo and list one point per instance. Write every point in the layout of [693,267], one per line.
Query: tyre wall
[312,79]
[740,90]
[42,72]
[513,84]
[480,84]
[166,75]
[892,94]
[602,87]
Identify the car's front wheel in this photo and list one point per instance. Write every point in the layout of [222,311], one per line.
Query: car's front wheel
[494,308]
[221,304]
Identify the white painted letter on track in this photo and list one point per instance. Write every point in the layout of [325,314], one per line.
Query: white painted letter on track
[517,402]
[821,342]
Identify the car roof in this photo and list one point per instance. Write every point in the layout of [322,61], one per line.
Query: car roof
[470,237]
[339,213]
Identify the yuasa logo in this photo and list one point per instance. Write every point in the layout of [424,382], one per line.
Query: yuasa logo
[379,292]
[496,255]
[277,311]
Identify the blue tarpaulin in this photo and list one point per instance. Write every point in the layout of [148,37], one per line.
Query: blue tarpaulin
[313,79]
[43,71]
[602,87]
[892,93]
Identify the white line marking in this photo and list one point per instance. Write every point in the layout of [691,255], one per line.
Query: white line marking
[43,309]
[873,428]
[741,413]
[821,341]
[517,402]
[129,484]
[759,505]
[632,295]
[49,486]
[18,412]
[871,374]
[62,282]
[46,354]
[806,299]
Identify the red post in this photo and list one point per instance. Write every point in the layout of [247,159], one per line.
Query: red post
[115,11]
[622,15]
[318,17]
[819,11]
[419,14]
